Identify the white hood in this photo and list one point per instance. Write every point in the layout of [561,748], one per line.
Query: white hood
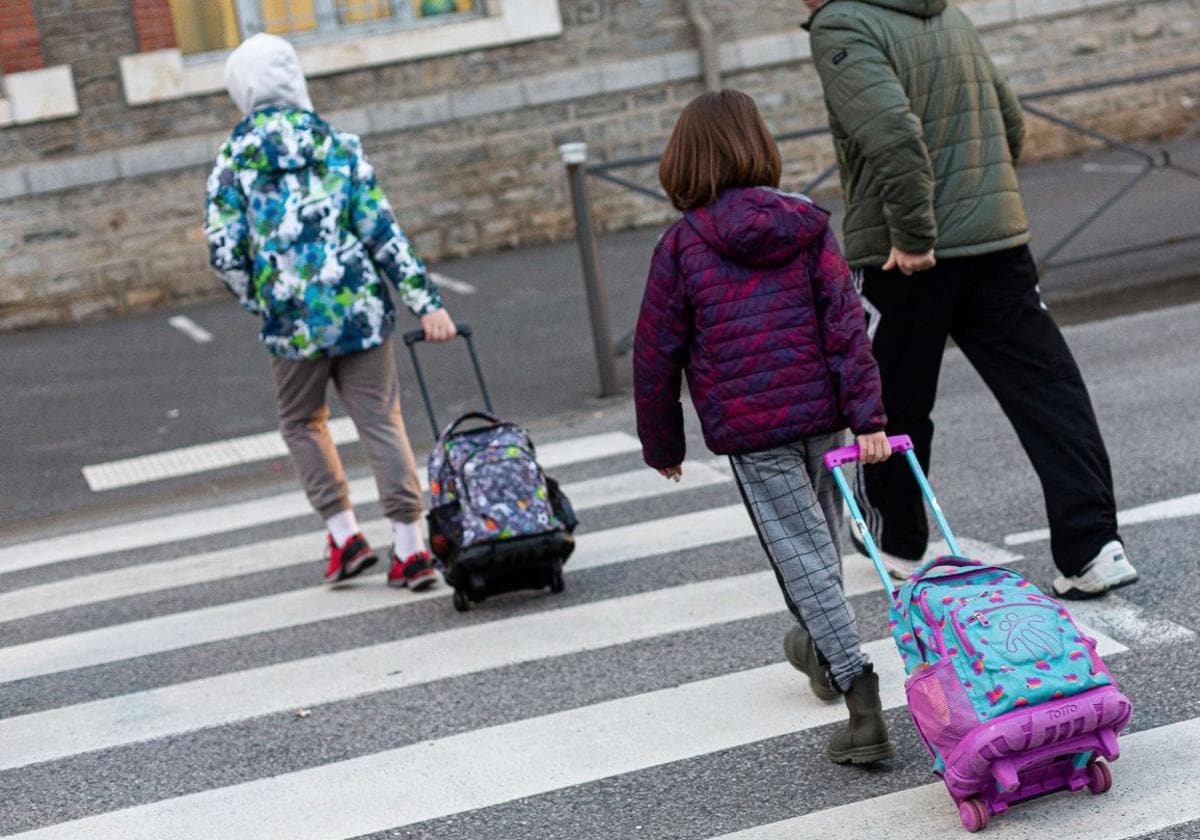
[265,70]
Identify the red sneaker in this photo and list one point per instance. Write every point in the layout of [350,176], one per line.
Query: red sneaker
[416,572]
[348,560]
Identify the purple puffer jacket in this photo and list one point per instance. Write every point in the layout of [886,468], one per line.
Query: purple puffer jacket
[752,298]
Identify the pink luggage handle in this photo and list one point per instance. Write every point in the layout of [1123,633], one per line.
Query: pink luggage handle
[848,454]
[834,459]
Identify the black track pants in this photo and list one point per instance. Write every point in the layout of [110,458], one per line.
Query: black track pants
[990,306]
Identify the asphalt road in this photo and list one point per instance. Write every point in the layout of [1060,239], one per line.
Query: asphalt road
[88,395]
[128,678]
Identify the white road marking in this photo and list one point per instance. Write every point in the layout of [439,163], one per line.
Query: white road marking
[1177,508]
[201,458]
[265,446]
[1129,623]
[642,483]
[216,701]
[1123,168]
[1154,787]
[225,518]
[475,769]
[224,622]
[290,609]
[190,328]
[289,551]
[450,283]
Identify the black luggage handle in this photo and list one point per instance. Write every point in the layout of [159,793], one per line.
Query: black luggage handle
[415,337]
[486,416]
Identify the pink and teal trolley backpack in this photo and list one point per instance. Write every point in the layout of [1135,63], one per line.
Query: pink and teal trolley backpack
[1007,693]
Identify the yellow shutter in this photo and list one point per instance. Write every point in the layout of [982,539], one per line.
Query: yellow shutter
[284,16]
[357,11]
[203,27]
[207,25]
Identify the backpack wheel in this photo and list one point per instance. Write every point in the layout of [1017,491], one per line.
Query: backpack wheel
[460,601]
[974,815]
[556,581]
[1099,777]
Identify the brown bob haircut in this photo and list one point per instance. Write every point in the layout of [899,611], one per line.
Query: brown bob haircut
[720,141]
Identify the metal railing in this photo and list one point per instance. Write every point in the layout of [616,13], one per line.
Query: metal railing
[578,168]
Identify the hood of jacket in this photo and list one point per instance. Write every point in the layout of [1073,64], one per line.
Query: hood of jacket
[917,8]
[281,140]
[265,70]
[759,227]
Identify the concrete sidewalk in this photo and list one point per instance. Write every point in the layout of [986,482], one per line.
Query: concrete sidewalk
[84,395]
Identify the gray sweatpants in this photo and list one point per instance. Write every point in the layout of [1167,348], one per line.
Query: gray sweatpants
[794,504]
[367,385]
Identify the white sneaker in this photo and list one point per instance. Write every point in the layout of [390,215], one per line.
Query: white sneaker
[1108,570]
[902,569]
[897,567]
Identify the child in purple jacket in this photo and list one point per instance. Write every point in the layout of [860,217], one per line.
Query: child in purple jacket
[749,295]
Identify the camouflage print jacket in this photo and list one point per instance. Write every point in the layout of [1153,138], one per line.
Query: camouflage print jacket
[300,232]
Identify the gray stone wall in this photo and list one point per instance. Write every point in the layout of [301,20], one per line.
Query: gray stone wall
[480,171]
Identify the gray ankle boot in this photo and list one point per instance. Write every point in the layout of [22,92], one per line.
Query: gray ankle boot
[865,738]
[801,651]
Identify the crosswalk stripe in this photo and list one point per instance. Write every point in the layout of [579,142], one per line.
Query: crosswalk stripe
[475,769]
[288,551]
[233,517]
[1130,623]
[290,609]
[179,630]
[1177,508]
[215,701]
[1148,794]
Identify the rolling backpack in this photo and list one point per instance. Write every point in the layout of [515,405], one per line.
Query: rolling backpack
[1007,692]
[497,522]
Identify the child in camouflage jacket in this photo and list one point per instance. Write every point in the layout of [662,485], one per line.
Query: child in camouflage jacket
[303,236]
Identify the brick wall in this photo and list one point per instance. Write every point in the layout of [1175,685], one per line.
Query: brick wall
[493,181]
[152,20]
[89,37]
[20,40]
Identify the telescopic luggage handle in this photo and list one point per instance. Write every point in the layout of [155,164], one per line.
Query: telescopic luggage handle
[899,443]
[415,337]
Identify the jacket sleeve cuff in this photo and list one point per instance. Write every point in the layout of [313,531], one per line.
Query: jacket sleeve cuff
[870,425]
[661,460]
[911,244]
[867,430]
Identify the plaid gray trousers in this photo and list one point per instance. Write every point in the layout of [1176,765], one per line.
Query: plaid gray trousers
[797,512]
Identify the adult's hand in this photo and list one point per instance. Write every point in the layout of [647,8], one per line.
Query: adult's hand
[438,326]
[909,263]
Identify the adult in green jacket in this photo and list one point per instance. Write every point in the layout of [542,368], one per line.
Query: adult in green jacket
[927,132]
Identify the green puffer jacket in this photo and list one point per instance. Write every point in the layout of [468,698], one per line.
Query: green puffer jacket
[926,129]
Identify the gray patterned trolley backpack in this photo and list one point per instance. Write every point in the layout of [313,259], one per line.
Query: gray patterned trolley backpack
[497,522]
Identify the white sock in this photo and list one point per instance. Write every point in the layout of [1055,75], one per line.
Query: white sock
[342,526]
[409,538]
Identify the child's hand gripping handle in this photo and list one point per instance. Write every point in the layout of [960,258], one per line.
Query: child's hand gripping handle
[899,443]
[463,331]
[414,336]
[834,458]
